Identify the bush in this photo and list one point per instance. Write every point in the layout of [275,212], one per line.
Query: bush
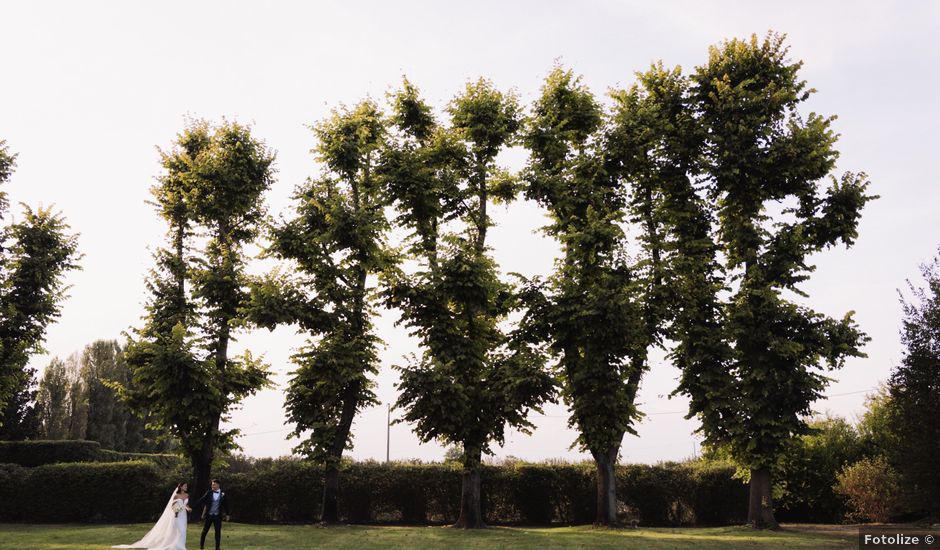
[286,490]
[12,480]
[806,472]
[165,461]
[289,491]
[715,496]
[38,453]
[85,492]
[871,486]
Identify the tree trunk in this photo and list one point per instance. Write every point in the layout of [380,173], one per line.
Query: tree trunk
[760,511]
[471,509]
[202,475]
[606,487]
[330,510]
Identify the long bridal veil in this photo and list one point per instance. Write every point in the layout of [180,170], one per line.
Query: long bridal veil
[163,533]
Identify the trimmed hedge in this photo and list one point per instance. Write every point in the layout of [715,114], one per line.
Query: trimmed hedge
[83,492]
[289,491]
[38,453]
[167,461]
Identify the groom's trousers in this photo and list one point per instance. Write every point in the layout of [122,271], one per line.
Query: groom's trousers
[214,521]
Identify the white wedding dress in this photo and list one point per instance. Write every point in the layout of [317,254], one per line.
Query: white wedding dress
[169,533]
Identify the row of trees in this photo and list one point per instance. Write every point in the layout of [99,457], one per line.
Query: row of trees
[76,400]
[659,203]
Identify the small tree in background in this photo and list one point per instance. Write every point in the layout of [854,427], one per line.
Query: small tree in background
[61,401]
[52,399]
[912,417]
[473,378]
[806,472]
[872,487]
[35,255]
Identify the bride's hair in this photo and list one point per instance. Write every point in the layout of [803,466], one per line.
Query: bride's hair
[179,488]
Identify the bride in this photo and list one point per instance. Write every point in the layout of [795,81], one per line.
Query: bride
[169,533]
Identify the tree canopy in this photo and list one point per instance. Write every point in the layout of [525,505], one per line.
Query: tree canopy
[35,254]
[757,370]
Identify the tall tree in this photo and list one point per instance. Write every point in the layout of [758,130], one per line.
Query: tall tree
[228,183]
[110,422]
[473,378]
[336,242]
[914,394]
[604,308]
[35,255]
[757,369]
[78,398]
[62,400]
[53,400]
[100,363]
[184,374]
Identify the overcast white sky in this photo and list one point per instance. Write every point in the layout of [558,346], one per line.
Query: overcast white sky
[89,89]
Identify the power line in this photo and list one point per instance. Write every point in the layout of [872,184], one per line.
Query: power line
[267,432]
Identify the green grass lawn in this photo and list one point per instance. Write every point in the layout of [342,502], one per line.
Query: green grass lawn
[295,537]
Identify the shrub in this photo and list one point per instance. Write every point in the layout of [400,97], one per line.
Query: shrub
[715,496]
[87,492]
[289,490]
[38,453]
[286,490]
[871,486]
[12,480]
[165,461]
[807,472]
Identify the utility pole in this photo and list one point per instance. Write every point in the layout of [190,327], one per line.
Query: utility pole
[388,431]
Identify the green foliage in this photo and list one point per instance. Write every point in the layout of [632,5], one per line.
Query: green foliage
[901,421]
[53,400]
[35,254]
[168,462]
[20,419]
[7,164]
[876,427]
[336,240]
[41,452]
[806,472]
[81,392]
[755,376]
[472,378]
[285,491]
[84,492]
[183,375]
[873,489]
[603,308]
[517,493]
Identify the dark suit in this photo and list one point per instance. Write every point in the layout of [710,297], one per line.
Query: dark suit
[204,505]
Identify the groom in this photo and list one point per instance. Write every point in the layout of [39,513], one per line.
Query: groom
[212,505]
